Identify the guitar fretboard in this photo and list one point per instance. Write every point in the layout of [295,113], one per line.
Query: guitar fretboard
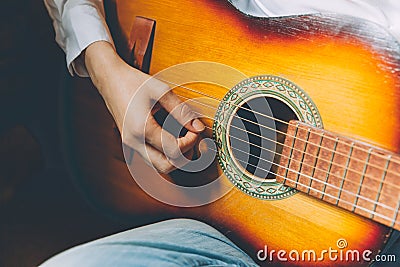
[347,173]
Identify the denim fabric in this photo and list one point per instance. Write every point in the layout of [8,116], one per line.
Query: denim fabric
[178,242]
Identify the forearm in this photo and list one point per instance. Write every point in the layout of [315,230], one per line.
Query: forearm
[102,62]
[115,80]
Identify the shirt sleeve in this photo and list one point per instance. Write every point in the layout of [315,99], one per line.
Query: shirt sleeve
[77,24]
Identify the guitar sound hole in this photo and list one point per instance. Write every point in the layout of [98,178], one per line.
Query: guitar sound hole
[256,135]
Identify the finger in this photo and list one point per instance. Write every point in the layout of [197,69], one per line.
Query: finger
[155,158]
[156,108]
[161,139]
[189,154]
[181,112]
[148,130]
[188,141]
[166,142]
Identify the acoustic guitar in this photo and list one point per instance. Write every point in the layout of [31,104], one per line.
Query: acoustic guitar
[304,116]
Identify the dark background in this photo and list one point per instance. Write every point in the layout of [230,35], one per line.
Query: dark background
[41,211]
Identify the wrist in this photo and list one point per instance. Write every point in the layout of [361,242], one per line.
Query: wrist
[102,62]
[115,80]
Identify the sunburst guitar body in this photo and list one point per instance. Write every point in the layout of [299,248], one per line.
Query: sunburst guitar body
[331,181]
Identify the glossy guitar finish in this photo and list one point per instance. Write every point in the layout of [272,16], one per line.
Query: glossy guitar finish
[349,68]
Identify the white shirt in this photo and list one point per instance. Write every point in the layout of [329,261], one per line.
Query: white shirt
[78,23]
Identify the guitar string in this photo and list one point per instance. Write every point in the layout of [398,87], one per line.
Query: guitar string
[340,179]
[301,151]
[322,182]
[348,169]
[354,206]
[358,196]
[261,114]
[317,169]
[283,144]
[278,120]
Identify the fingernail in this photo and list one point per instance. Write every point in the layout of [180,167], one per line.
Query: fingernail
[198,125]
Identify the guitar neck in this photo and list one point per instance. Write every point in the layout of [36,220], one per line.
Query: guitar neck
[347,173]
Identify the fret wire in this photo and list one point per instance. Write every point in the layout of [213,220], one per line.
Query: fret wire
[315,161]
[314,179]
[345,172]
[345,201]
[290,156]
[378,195]
[302,157]
[284,145]
[396,213]
[330,165]
[220,100]
[362,178]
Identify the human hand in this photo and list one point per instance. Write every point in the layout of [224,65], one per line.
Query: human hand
[117,82]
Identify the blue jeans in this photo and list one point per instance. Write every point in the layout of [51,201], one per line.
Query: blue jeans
[178,242]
